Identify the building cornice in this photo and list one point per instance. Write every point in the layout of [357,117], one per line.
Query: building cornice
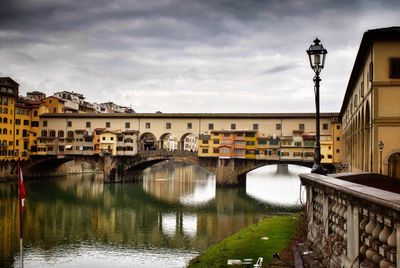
[191,115]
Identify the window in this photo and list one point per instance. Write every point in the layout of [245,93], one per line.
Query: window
[215,150]
[189,125]
[250,134]
[70,134]
[274,142]
[148,125]
[44,133]
[54,110]
[111,138]
[362,89]
[325,126]
[262,142]
[278,126]
[17,132]
[17,142]
[301,126]
[61,134]
[45,123]
[233,126]
[255,126]
[394,67]
[205,141]
[88,124]
[210,126]
[204,151]
[297,154]
[337,150]
[26,122]
[338,138]
[127,125]
[338,127]
[52,133]
[35,123]
[284,154]
[35,113]
[108,124]
[168,125]
[69,123]
[227,135]
[215,141]
[103,138]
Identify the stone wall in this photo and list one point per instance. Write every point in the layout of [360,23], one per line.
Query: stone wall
[350,224]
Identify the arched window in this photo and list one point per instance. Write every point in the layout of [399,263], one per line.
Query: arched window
[61,134]
[5,111]
[52,133]
[44,133]
[5,120]
[4,131]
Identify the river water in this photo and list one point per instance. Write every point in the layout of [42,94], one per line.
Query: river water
[165,220]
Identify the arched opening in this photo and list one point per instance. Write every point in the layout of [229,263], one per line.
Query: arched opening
[189,142]
[168,142]
[367,139]
[394,165]
[148,142]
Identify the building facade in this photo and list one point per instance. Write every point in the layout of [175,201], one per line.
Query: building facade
[8,97]
[370,113]
[255,136]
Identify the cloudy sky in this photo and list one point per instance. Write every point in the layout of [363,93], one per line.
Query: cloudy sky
[187,55]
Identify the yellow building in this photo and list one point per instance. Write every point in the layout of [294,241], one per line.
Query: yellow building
[54,104]
[108,143]
[370,112]
[8,96]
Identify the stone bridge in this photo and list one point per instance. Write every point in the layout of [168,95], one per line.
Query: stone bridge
[228,172]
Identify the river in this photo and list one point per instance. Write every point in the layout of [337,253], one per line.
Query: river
[165,220]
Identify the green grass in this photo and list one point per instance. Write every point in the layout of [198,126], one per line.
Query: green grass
[247,243]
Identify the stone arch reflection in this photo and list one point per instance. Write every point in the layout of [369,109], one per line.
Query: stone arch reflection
[178,182]
[277,185]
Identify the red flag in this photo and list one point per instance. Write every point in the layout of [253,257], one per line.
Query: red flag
[21,185]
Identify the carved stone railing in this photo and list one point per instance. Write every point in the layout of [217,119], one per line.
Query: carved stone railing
[350,224]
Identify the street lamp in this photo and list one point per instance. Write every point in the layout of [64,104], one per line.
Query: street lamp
[381,145]
[316,54]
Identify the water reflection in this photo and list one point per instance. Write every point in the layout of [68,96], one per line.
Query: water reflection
[179,182]
[277,185]
[171,216]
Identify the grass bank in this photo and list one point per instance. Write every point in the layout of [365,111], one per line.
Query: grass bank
[263,239]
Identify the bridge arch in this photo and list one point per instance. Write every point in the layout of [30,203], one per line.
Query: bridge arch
[148,142]
[188,142]
[168,142]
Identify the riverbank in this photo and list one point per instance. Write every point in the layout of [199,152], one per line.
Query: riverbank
[263,239]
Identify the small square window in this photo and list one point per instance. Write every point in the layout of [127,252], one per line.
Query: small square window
[45,123]
[338,127]
[325,126]
[337,150]
[301,126]
[147,125]
[168,125]
[189,125]
[338,138]
[233,126]
[88,124]
[210,126]
[127,125]
[108,124]
[255,126]
[278,126]
[69,123]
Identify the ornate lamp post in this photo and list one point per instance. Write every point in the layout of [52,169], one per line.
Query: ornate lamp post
[316,54]
[381,145]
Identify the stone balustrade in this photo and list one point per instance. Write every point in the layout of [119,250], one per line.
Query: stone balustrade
[351,224]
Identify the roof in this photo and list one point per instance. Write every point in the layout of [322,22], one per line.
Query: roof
[369,37]
[191,115]
[8,81]
[55,97]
